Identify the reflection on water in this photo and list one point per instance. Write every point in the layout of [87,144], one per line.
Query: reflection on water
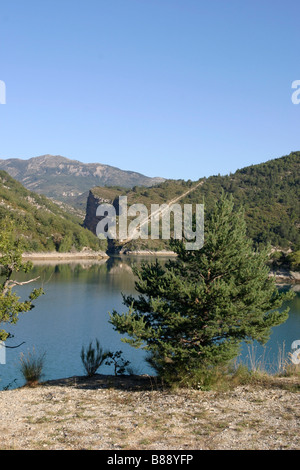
[74,311]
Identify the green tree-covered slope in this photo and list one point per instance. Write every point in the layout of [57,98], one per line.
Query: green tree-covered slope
[269,193]
[44,225]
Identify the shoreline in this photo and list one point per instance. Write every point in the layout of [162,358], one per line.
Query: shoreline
[282,277]
[65,256]
[286,277]
[92,255]
[148,253]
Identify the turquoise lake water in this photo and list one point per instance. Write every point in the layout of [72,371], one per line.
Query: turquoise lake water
[74,311]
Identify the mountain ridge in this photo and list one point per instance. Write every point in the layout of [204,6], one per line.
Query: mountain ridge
[65,179]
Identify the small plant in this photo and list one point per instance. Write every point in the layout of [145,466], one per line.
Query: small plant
[32,367]
[118,362]
[93,358]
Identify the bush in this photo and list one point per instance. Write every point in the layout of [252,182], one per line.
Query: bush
[92,359]
[117,361]
[32,367]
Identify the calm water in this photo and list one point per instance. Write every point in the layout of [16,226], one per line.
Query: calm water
[74,311]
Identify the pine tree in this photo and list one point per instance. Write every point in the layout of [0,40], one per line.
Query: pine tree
[194,312]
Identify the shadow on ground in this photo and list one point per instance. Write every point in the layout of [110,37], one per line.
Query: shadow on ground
[99,381]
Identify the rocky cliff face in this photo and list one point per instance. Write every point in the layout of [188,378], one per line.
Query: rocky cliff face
[96,197]
[93,201]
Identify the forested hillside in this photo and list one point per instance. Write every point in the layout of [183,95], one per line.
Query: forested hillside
[44,225]
[269,193]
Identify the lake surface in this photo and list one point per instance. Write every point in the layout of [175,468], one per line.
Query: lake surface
[74,311]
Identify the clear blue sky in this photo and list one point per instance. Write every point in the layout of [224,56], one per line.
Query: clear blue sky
[172,88]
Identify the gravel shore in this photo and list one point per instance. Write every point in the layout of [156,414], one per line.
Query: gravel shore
[134,413]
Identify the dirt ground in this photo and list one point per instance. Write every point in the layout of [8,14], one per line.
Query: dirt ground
[134,413]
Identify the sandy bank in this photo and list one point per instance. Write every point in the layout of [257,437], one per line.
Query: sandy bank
[66,256]
[149,253]
[286,277]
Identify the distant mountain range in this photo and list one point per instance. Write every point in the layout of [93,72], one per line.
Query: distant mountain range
[66,180]
[269,193]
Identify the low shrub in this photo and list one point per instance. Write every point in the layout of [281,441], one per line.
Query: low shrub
[31,367]
[93,358]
